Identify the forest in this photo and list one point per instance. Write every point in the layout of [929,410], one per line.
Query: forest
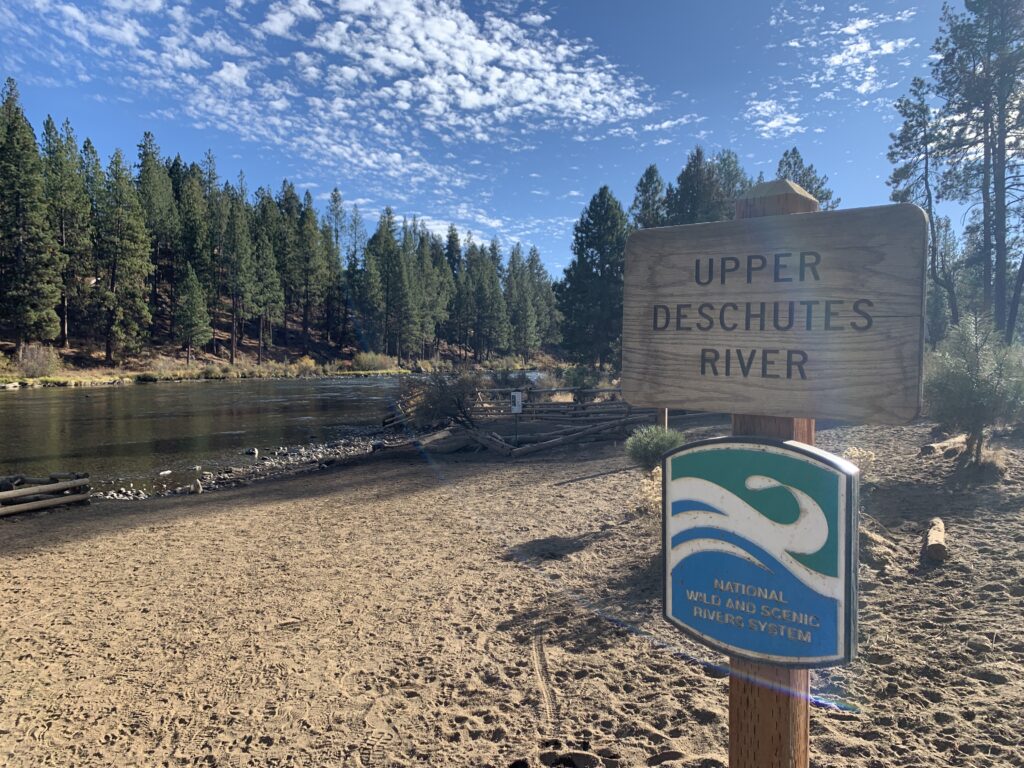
[156,252]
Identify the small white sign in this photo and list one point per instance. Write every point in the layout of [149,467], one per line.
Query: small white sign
[517,402]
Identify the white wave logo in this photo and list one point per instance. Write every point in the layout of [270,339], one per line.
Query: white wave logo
[806,535]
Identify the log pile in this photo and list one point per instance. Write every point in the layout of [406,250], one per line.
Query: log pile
[19,493]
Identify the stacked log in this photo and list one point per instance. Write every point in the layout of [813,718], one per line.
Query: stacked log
[19,493]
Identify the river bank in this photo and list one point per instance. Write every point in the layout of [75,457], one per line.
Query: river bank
[460,611]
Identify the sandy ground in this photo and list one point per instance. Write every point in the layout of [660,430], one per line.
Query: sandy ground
[466,612]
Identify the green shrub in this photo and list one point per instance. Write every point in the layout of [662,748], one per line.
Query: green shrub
[38,360]
[974,380]
[649,443]
[373,361]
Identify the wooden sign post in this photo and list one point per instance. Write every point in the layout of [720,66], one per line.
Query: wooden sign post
[777,319]
[769,706]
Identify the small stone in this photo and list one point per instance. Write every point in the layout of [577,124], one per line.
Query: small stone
[197,487]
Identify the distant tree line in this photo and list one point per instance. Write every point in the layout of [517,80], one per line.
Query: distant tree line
[164,251]
[590,293]
[962,139]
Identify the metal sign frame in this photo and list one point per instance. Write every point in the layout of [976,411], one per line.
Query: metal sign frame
[846,545]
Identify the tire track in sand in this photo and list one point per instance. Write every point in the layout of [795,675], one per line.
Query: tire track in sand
[543,678]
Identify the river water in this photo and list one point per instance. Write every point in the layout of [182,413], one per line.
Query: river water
[129,434]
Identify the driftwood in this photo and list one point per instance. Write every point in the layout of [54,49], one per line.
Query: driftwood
[570,438]
[954,446]
[934,547]
[25,494]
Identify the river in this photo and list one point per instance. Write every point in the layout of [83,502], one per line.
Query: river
[128,435]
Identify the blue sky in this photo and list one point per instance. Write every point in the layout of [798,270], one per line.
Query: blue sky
[502,117]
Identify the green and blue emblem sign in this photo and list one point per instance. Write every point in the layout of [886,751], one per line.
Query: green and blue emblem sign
[760,541]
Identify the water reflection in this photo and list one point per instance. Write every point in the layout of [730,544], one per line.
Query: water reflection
[129,434]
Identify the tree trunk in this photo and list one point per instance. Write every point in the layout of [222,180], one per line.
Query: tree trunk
[999,219]
[986,215]
[188,353]
[234,328]
[259,353]
[65,342]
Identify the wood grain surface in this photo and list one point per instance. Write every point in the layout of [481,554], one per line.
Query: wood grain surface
[852,280]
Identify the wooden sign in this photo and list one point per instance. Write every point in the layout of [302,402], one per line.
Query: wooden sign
[760,550]
[807,315]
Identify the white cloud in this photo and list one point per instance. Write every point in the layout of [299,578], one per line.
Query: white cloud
[232,75]
[771,119]
[667,124]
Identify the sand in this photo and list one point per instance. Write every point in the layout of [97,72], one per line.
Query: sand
[399,611]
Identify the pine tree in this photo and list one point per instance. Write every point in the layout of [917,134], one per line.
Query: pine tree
[648,208]
[590,294]
[490,321]
[192,320]
[268,298]
[156,195]
[313,267]
[287,250]
[793,168]
[698,195]
[237,261]
[453,250]
[69,216]
[30,261]
[521,307]
[542,296]
[122,260]
[913,180]
[195,232]
[733,181]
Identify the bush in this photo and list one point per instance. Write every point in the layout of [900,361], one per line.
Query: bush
[38,360]
[373,361]
[974,380]
[439,398]
[306,366]
[649,443]
[506,379]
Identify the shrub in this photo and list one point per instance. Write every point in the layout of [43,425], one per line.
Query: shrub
[507,379]
[974,380]
[373,361]
[649,443]
[439,397]
[38,360]
[306,366]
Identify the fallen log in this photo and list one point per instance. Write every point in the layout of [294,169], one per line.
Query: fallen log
[43,487]
[954,446]
[568,439]
[56,502]
[934,547]
[491,442]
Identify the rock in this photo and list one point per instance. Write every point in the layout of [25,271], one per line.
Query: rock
[165,473]
[196,468]
[197,487]
[664,757]
[206,476]
[254,452]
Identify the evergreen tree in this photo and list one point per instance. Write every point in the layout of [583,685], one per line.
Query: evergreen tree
[30,261]
[156,194]
[69,216]
[453,250]
[542,296]
[192,320]
[793,168]
[394,282]
[913,152]
[288,251]
[698,195]
[521,306]
[490,322]
[733,181]
[590,294]
[268,298]
[122,260]
[195,233]
[313,266]
[648,208]
[237,261]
